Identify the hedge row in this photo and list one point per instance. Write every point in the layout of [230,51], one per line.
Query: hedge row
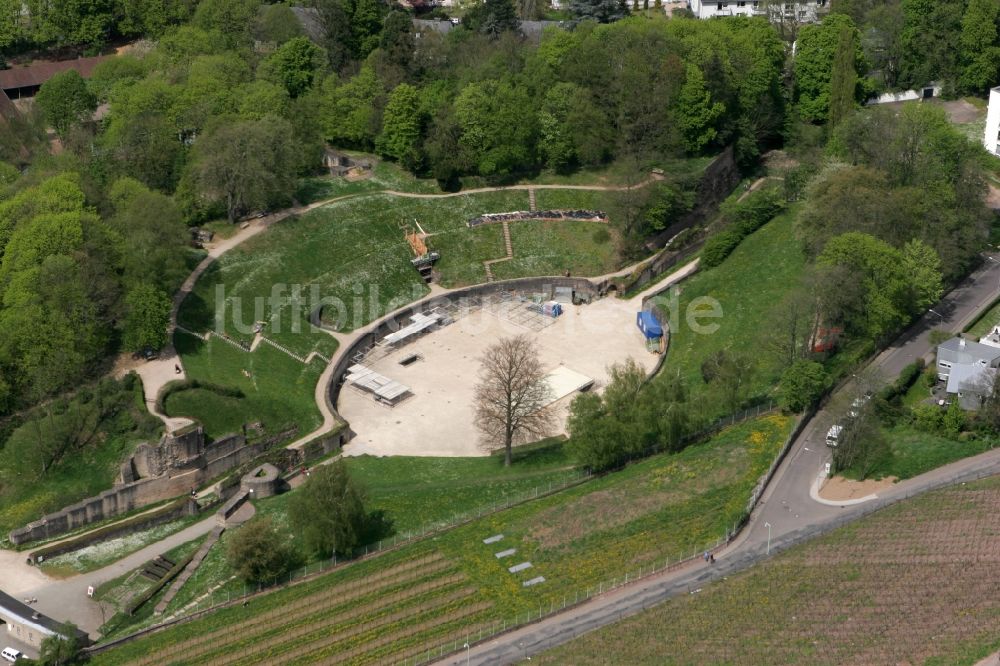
[187,384]
[745,217]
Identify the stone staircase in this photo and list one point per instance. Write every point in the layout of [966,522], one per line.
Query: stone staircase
[531,200]
[488,265]
[189,570]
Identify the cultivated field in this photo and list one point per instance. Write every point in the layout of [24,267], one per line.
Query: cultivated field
[916,583]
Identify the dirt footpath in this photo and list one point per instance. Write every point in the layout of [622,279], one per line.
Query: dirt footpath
[839,489]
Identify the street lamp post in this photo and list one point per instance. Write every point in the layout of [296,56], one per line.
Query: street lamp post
[768,526]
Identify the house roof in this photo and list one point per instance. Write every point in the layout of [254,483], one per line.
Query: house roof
[970,378]
[970,351]
[38,73]
[311,22]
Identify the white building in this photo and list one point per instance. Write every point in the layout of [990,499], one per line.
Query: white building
[992,135]
[801,10]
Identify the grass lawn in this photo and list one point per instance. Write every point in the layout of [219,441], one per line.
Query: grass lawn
[418,491]
[569,199]
[552,247]
[914,584]
[913,452]
[747,285]
[667,506]
[985,323]
[385,176]
[279,391]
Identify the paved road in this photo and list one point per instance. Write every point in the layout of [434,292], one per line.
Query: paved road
[67,599]
[786,505]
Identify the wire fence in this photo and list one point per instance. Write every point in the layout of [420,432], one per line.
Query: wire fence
[635,604]
[467,639]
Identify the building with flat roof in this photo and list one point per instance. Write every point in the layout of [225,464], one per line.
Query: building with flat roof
[991,137]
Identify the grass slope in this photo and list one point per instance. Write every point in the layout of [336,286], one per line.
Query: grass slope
[912,584]
[279,391]
[747,285]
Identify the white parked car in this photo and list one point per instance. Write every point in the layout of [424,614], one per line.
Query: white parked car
[10,654]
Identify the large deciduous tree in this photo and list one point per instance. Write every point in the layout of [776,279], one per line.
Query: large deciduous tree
[814,63]
[980,53]
[696,112]
[512,395]
[66,101]
[297,65]
[244,165]
[328,511]
[401,126]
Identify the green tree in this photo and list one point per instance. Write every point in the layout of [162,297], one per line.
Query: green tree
[396,39]
[493,18]
[65,101]
[572,129]
[123,70]
[696,113]
[263,98]
[328,511]
[258,552]
[61,648]
[244,165]
[297,65]
[348,110]
[233,20]
[602,11]
[498,126]
[366,25]
[843,78]
[276,23]
[802,385]
[930,41]
[814,63]
[145,146]
[83,22]
[980,52]
[147,313]
[401,125]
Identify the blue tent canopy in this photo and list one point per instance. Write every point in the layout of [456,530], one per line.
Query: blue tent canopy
[647,323]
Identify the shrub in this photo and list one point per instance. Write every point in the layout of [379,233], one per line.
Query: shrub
[258,553]
[718,247]
[745,217]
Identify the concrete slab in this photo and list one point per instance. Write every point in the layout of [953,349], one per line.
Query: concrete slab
[534,581]
[519,567]
[492,539]
[506,553]
[438,419]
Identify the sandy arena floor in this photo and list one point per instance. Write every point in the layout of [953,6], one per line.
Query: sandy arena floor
[438,419]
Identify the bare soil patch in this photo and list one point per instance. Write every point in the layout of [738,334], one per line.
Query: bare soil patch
[838,488]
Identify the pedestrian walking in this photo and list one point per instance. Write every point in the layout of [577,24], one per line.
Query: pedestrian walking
[705,556]
[177,369]
[711,558]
